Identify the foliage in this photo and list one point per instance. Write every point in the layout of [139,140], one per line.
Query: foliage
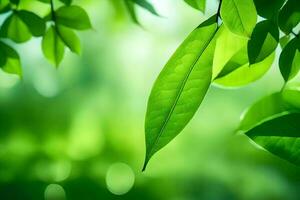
[56,29]
[232,48]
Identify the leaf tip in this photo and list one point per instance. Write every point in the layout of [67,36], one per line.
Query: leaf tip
[145,163]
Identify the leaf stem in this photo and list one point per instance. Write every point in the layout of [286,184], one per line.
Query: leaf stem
[52,11]
[219,11]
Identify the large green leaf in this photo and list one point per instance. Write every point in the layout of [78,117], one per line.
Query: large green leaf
[289,60]
[268,8]
[74,17]
[280,136]
[236,75]
[274,125]
[239,16]
[227,45]
[263,42]
[53,47]
[266,108]
[12,62]
[289,16]
[180,88]
[197,4]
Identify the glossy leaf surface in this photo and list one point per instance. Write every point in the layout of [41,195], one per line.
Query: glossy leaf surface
[180,88]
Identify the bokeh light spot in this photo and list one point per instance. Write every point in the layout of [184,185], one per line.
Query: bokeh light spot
[119,178]
[55,192]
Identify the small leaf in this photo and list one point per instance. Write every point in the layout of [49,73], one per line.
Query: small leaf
[228,44]
[289,62]
[197,4]
[239,16]
[131,10]
[70,38]
[146,5]
[4,6]
[53,47]
[74,17]
[12,63]
[275,126]
[180,88]
[263,42]
[66,2]
[289,16]
[284,40]
[239,59]
[35,24]
[268,8]
[237,76]
[15,29]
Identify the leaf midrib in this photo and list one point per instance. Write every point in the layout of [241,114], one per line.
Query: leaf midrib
[180,92]
[237,10]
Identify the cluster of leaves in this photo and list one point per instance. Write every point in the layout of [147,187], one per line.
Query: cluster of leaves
[233,48]
[56,29]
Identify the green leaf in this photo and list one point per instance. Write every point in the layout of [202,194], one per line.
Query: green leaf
[4,6]
[275,126]
[70,38]
[289,62]
[245,74]
[263,42]
[268,8]
[66,2]
[229,41]
[146,5]
[289,16]
[239,59]
[180,88]
[16,2]
[197,4]
[15,29]
[12,62]
[131,10]
[266,108]
[239,16]
[53,47]
[284,40]
[44,1]
[34,23]
[74,17]
[280,136]
[291,94]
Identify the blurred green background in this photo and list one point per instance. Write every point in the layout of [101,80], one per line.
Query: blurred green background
[77,132]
